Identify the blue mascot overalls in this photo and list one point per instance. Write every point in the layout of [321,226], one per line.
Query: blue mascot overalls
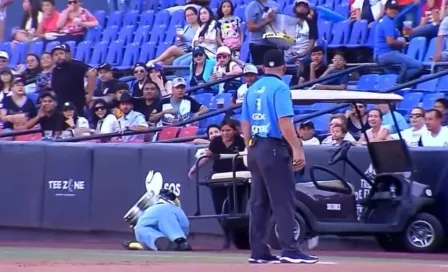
[164,225]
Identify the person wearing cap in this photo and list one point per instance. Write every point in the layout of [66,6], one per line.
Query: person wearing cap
[17,108]
[131,120]
[259,14]
[121,88]
[179,107]
[225,67]
[274,153]
[141,76]
[107,83]
[67,79]
[157,76]
[250,73]
[77,125]
[4,59]
[388,44]
[306,133]
[201,68]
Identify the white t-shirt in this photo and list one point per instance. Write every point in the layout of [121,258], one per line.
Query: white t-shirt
[82,123]
[375,5]
[28,25]
[410,135]
[241,92]
[311,141]
[209,35]
[440,140]
[108,125]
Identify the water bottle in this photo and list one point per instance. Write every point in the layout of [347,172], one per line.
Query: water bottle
[393,190]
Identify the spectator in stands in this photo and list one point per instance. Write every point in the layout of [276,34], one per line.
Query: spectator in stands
[105,89]
[3,5]
[440,53]
[316,68]
[250,73]
[77,125]
[225,67]
[33,67]
[179,107]
[368,10]
[338,133]
[141,76]
[429,22]
[31,19]
[441,105]
[436,134]
[50,119]
[337,83]
[376,132]
[388,44]
[183,41]
[121,89]
[43,79]
[6,82]
[306,35]
[157,76]
[149,104]
[205,37]
[354,123]
[4,59]
[201,68]
[212,132]
[413,134]
[388,119]
[103,119]
[341,120]
[17,108]
[131,120]
[258,15]
[306,133]
[229,28]
[49,25]
[67,79]
[74,21]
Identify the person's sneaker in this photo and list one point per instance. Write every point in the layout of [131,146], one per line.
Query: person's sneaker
[297,258]
[269,259]
[164,244]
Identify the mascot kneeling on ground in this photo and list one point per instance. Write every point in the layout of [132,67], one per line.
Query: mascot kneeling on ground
[162,226]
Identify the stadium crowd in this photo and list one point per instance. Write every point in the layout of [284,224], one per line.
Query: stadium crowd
[67,97]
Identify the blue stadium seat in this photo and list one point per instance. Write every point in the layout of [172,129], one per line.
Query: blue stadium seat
[94,34]
[100,15]
[115,19]
[240,11]
[166,4]
[359,34]
[288,10]
[147,52]
[130,56]
[142,35]
[343,9]
[151,5]
[227,100]
[367,82]
[324,32]
[83,51]
[162,18]
[442,85]
[330,4]
[244,52]
[214,4]
[99,54]
[36,47]
[131,18]
[19,54]
[427,60]
[72,45]
[417,48]
[429,86]
[162,47]
[429,100]
[6,46]
[33,97]
[126,34]
[170,36]
[282,4]
[204,98]
[180,2]
[340,34]
[410,100]
[321,106]
[287,79]
[115,53]
[136,5]
[321,123]
[157,34]
[110,34]
[213,120]
[386,82]
[177,19]
[51,45]
[247,2]
[371,38]
[147,18]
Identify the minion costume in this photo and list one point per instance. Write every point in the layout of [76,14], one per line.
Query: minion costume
[162,226]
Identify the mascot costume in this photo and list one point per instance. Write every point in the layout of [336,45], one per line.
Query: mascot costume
[158,221]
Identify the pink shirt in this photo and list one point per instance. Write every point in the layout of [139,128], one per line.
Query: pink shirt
[71,28]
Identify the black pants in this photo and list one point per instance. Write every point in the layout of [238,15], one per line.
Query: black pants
[272,189]
[257,52]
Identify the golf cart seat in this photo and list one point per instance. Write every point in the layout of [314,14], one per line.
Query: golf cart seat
[336,184]
[227,177]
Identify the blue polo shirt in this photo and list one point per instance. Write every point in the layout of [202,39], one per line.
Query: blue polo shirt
[267,100]
[385,28]
[388,121]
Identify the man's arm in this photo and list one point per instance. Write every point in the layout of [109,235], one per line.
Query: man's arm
[91,81]
[245,122]
[251,14]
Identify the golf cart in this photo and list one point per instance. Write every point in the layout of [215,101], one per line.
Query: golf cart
[395,211]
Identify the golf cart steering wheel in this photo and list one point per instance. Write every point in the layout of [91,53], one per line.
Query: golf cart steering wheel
[341,153]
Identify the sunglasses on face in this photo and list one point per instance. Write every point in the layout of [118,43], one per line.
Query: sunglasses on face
[416,115]
[99,108]
[139,71]
[198,55]
[222,56]
[72,2]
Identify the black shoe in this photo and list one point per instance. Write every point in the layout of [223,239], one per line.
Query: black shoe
[164,244]
[182,245]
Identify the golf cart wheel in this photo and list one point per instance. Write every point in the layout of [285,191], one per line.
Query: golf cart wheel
[300,230]
[424,234]
[390,242]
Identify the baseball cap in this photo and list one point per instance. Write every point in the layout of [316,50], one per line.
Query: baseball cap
[126,98]
[58,47]
[250,69]
[198,49]
[307,124]
[306,2]
[105,66]
[67,47]
[274,58]
[392,4]
[47,94]
[68,106]
[223,50]
[178,81]
[19,80]
[6,70]
[4,55]
[155,66]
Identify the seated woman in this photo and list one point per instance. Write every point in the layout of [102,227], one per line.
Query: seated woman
[201,68]
[33,67]
[205,37]
[74,21]
[212,132]
[224,67]
[31,19]
[43,79]
[77,125]
[377,132]
[48,26]
[157,76]
[6,82]
[183,41]
[103,119]
[429,21]
[338,83]
[354,125]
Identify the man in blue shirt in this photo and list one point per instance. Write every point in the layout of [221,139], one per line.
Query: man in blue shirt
[270,135]
[388,44]
[388,120]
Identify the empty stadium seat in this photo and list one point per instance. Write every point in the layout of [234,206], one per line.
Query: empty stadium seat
[367,82]
[157,34]
[343,9]
[147,52]
[430,85]
[162,18]
[324,32]
[442,85]
[33,97]
[188,131]
[359,34]
[227,100]
[130,56]
[417,48]
[147,18]
[110,34]
[115,53]
[126,34]
[410,100]
[321,123]
[99,54]
[204,99]
[136,5]
[177,19]
[385,82]
[83,51]
[131,18]
[51,45]
[94,34]
[240,11]
[19,54]
[100,15]
[371,37]
[162,47]
[141,35]
[115,19]
[340,34]
[168,133]
[213,120]
[72,45]
[427,60]
[36,47]
[429,100]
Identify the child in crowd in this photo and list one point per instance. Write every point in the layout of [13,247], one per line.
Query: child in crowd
[229,28]
[338,133]
[306,133]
